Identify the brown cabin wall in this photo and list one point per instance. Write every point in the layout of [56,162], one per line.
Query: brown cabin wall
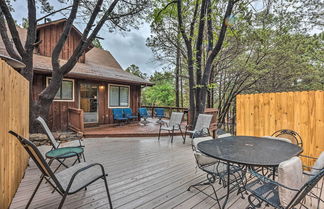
[49,36]
[58,115]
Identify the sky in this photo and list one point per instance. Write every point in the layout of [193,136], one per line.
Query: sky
[127,47]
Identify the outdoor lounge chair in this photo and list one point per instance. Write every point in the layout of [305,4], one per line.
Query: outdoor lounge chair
[203,123]
[143,114]
[129,113]
[291,189]
[159,113]
[68,181]
[56,145]
[173,125]
[293,136]
[118,115]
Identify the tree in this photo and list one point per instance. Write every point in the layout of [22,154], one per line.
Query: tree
[134,69]
[96,43]
[116,14]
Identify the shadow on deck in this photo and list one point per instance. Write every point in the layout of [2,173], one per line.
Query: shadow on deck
[133,129]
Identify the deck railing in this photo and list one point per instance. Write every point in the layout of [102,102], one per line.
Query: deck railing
[75,119]
[168,110]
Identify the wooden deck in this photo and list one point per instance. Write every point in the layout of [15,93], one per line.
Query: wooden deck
[133,129]
[143,173]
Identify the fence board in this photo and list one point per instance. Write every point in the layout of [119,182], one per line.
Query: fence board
[14,114]
[263,114]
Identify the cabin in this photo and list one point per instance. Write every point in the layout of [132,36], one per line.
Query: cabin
[96,85]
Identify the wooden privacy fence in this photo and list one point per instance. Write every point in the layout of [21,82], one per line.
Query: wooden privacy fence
[14,114]
[263,114]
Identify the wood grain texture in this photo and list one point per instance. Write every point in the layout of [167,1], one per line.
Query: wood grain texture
[14,114]
[303,112]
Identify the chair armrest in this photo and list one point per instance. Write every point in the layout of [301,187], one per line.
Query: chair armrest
[83,169]
[309,157]
[267,180]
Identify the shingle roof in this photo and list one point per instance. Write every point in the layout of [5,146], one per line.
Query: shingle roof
[99,65]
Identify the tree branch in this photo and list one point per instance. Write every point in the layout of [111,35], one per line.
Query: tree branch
[6,40]
[52,13]
[59,45]
[12,27]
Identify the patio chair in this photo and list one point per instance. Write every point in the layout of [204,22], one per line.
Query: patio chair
[293,136]
[118,115]
[173,125]
[68,181]
[216,170]
[159,113]
[290,189]
[143,114]
[203,122]
[73,151]
[129,113]
[220,133]
[278,138]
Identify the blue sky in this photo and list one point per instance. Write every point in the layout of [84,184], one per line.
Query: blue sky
[127,47]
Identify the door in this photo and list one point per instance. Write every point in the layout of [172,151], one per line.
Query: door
[89,102]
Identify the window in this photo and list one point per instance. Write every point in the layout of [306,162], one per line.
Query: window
[66,91]
[118,96]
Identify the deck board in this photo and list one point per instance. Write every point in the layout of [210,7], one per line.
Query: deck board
[143,173]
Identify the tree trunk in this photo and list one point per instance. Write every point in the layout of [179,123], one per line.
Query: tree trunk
[177,75]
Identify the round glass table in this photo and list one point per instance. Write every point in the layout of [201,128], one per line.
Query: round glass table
[248,151]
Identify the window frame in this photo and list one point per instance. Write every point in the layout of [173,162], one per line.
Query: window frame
[118,85]
[73,90]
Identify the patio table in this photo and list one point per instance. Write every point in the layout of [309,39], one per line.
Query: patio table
[248,151]
[62,153]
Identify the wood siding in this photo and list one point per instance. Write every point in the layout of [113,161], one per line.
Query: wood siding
[14,114]
[49,36]
[303,112]
[58,116]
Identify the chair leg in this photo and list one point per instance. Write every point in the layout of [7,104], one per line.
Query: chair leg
[62,201]
[107,190]
[172,133]
[184,139]
[32,197]
[159,133]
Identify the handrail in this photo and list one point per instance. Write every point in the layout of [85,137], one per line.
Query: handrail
[75,119]
[168,111]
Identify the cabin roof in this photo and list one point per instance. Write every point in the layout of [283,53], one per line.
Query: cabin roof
[99,65]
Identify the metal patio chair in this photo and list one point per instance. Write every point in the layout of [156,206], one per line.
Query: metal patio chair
[129,113]
[203,123]
[143,114]
[159,113]
[71,151]
[215,169]
[290,190]
[293,136]
[278,138]
[68,181]
[118,115]
[173,125]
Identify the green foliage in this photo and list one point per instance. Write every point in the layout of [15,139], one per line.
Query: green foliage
[162,93]
[96,43]
[134,69]
[159,95]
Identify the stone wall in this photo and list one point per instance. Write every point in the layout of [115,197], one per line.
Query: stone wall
[42,139]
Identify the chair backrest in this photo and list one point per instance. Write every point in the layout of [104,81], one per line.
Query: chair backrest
[290,174]
[203,122]
[128,111]
[48,132]
[117,113]
[306,188]
[318,165]
[159,111]
[38,158]
[278,138]
[176,119]
[293,136]
[143,112]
